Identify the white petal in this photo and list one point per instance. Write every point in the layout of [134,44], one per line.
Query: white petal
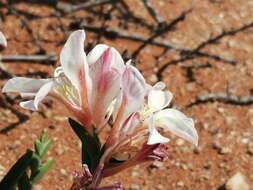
[176,122]
[58,71]
[24,85]
[73,58]
[159,86]
[104,96]
[27,95]
[42,93]
[29,105]
[154,136]
[157,99]
[134,89]
[96,53]
[3,41]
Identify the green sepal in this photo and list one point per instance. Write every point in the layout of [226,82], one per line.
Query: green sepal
[11,179]
[91,147]
[43,168]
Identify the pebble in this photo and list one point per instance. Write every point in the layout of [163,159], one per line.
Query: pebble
[180,142]
[135,174]
[37,187]
[237,182]
[63,172]
[2,172]
[153,78]
[15,144]
[180,184]
[244,140]
[135,187]
[221,149]
[250,149]
[156,164]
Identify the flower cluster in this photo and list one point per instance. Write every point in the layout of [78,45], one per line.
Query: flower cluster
[100,90]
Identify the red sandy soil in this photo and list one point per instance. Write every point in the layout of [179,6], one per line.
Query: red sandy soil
[225,129]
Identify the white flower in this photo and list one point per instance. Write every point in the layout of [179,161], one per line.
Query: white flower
[156,116]
[85,84]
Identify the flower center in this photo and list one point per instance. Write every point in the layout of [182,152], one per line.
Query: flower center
[146,112]
[68,92]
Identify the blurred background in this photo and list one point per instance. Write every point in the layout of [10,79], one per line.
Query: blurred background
[202,50]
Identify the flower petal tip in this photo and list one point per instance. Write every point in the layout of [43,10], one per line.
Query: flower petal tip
[3,41]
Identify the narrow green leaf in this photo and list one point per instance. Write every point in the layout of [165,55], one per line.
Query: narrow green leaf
[35,163]
[15,173]
[91,148]
[43,168]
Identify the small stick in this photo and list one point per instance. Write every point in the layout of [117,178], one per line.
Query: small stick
[69,8]
[29,58]
[223,97]
[153,12]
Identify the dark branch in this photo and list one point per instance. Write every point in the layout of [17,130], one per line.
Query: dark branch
[50,59]
[69,8]
[166,27]
[223,34]
[153,12]
[223,97]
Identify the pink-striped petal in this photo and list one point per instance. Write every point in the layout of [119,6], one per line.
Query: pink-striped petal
[106,84]
[116,60]
[73,59]
[134,89]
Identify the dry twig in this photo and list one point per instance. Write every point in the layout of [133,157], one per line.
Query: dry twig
[223,97]
[29,58]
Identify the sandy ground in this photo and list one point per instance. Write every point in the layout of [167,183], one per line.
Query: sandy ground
[206,48]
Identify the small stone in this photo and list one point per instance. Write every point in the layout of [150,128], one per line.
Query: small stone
[153,78]
[180,184]
[160,187]
[37,187]
[225,150]
[237,182]
[156,164]
[207,165]
[15,145]
[135,187]
[250,149]
[180,142]
[135,174]
[221,110]
[63,172]
[60,150]
[244,140]
[48,113]
[221,149]
[206,126]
